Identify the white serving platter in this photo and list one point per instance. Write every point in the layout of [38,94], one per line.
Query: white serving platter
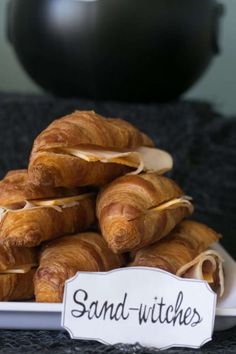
[47,316]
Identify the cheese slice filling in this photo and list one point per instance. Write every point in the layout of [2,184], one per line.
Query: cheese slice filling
[206,266]
[141,159]
[20,269]
[58,204]
[63,202]
[175,203]
[184,201]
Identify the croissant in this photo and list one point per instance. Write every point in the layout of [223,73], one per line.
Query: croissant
[63,258]
[180,247]
[17,269]
[15,188]
[27,218]
[17,286]
[84,148]
[135,211]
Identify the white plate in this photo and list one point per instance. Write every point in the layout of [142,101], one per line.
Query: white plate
[31,315]
[226,307]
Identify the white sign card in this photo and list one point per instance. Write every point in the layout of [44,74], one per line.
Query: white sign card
[139,305]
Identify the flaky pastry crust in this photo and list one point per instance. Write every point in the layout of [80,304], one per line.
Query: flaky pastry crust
[25,224]
[50,167]
[17,286]
[16,188]
[31,227]
[63,258]
[124,211]
[181,246]
[11,257]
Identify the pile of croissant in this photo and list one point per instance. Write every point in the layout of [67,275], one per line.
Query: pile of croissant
[94,198]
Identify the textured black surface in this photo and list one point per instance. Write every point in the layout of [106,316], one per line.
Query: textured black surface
[59,342]
[203,145]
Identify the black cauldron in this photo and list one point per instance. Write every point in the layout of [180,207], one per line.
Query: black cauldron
[130,50]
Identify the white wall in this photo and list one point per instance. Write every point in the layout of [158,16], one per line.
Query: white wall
[218,84]
[12,76]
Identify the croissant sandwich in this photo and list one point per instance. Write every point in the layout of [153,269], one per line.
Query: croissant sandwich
[135,211]
[30,214]
[184,252]
[63,258]
[84,148]
[17,269]
[15,187]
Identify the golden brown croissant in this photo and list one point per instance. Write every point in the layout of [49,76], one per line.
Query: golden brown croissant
[180,247]
[27,218]
[85,148]
[63,258]
[15,257]
[15,188]
[17,286]
[134,211]
[17,268]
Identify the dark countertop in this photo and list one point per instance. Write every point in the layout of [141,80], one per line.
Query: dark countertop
[46,342]
[203,146]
